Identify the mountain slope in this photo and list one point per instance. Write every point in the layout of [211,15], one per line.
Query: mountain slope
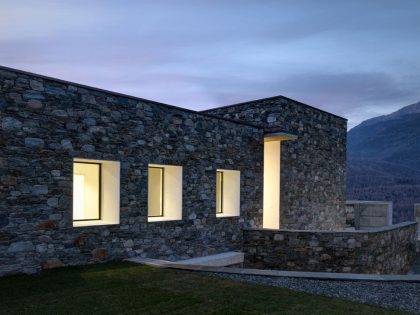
[384,160]
[407,110]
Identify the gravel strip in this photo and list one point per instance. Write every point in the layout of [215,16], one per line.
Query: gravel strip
[395,295]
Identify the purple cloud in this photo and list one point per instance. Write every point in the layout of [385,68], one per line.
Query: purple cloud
[356,58]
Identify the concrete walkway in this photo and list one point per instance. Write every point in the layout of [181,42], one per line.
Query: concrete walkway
[217,260]
[276,273]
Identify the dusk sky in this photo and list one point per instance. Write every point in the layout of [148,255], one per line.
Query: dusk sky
[357,59]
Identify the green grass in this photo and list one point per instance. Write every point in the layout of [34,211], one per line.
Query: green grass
[123,288]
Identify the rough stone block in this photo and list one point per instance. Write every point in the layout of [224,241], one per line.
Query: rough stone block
[52,263]
[10,123]
[79,241]
[36,85]
[278,237]
[35,104]
[34,143]
[99,253]
[8,180]
[39,189]
[4,221]
[46,225]
[23,246]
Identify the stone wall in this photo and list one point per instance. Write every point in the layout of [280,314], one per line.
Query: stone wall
[368,214]
[389,250]
[45,123]
[312,167]
[417,218]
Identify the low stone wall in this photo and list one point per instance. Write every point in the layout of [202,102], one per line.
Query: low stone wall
[388,250]
[365,215]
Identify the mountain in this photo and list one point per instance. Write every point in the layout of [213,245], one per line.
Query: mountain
[384,160]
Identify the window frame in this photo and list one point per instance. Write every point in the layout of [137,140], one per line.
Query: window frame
[99,189]
[172,196]
[221,191]
[231,198]
[162,189]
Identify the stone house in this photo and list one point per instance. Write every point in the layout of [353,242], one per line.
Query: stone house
[89,175]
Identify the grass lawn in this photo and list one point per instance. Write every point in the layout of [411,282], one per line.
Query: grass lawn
[124,288]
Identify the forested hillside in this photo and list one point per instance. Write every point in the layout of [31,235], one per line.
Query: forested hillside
[384,160]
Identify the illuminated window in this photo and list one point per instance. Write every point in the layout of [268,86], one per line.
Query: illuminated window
[86,191]
[96,192]
[227,193]
[271,193]
[164,193]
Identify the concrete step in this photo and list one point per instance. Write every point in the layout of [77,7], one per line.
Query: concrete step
[217,260]
[277,273]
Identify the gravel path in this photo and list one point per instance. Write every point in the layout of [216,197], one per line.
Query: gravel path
[395,295]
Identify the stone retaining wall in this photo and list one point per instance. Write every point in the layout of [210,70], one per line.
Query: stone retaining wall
[389,250]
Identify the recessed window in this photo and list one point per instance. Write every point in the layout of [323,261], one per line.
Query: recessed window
[86,191]
[271,193]
[96,192]
[227,193]
[164,192]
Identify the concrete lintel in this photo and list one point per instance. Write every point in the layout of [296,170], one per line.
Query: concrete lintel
[279,136]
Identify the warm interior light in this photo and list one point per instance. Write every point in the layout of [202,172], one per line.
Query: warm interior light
[271,199]
[78,195]
[228,191]
[86,191]
[164,193]
[155,196]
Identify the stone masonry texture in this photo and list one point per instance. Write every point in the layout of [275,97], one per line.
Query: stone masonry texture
[417,218]
[45,123]
[387,250]
[312,167]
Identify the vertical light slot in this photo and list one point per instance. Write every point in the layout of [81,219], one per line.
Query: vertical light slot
[271,195]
